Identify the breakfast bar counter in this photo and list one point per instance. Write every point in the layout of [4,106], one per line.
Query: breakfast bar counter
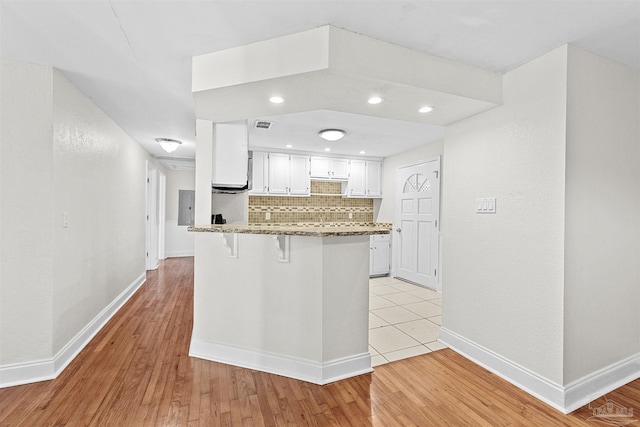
[288,299]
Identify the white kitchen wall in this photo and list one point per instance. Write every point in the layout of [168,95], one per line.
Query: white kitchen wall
[26,219]
[178,241]
[602,226]
[62,155]
[503,273]
[387,205]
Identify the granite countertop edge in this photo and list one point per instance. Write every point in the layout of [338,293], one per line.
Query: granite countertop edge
[314,230]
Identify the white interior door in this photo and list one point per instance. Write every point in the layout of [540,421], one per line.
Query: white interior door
[416,224]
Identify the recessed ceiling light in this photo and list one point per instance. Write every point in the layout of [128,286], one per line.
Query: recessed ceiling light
[375,100]
[289,146]
[168,145]
[332,134]
[363,152]
[276,99]
[327,149]
[426,109]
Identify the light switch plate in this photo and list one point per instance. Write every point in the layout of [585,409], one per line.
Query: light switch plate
[486,205]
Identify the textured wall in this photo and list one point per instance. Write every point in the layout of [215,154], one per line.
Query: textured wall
[602,277]
[316,208]
[99,180]
[503,273]
[26,204]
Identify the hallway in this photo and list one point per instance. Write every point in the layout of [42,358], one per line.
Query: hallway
[137,372]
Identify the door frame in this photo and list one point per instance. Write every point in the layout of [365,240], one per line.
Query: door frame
[395,247]
[151,217]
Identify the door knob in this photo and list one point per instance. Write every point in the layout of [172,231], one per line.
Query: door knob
[398,229]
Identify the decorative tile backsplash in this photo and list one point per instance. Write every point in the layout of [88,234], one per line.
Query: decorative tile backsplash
[322,206]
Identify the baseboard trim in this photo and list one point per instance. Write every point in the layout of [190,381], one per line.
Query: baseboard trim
[534,384]
[565,399]
[590,387]
[287,366]
[48,369]
[179,254]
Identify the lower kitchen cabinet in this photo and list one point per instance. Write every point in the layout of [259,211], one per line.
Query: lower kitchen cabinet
[380,254]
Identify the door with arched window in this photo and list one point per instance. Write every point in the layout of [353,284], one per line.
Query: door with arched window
[416,234]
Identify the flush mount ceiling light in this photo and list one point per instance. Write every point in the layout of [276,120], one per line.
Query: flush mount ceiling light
[426,109]
[168,145]
[276,99]
[374,100]
[331,134]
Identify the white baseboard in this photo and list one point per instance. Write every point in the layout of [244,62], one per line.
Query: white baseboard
[590,387]
[179,254]
[563,398]
[48,369]
[287,366]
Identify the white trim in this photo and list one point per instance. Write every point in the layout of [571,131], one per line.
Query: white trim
[534,384]
[565,399]
[48,369]
[288,366]
[582,391]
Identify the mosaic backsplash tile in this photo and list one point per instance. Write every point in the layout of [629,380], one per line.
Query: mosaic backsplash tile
[322,206]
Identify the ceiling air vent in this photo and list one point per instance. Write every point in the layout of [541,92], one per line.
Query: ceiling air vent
[263,124]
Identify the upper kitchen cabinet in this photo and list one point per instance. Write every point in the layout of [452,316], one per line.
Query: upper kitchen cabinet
[365,179]
[299,179]
[329,168]
[288,175]
[260,164]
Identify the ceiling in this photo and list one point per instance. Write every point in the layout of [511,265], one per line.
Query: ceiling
[133,58]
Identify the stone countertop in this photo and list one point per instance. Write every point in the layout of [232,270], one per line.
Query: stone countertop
[307,229]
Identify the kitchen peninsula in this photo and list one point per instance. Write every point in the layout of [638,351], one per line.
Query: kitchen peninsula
[286,299]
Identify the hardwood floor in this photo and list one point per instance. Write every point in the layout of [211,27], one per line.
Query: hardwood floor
[137,372]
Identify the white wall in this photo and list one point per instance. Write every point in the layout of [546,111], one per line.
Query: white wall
[387,206]
[178,241]
[26,218]
[99,180]
[62,154]
[602,279]
[503,273]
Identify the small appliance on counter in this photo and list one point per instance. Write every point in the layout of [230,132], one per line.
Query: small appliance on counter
[217,219]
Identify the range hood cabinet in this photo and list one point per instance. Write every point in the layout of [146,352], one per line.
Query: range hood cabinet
[231,166]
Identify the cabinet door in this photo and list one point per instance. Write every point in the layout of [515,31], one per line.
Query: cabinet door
[299,179]
[339,168]
[380,255]
[260,163]
[374,179]
[278,173]
[356,186]
[320,167]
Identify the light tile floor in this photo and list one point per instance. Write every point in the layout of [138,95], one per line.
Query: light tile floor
[403,320]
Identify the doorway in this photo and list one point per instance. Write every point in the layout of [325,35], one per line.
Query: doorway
[152,231]
[417,223]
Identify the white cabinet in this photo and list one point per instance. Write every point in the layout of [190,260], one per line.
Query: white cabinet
[365,179]
[329,168]
[373,179]
[357,178]
[260,165]
[299,179]
[278,173]
[380,254]
[288,175]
